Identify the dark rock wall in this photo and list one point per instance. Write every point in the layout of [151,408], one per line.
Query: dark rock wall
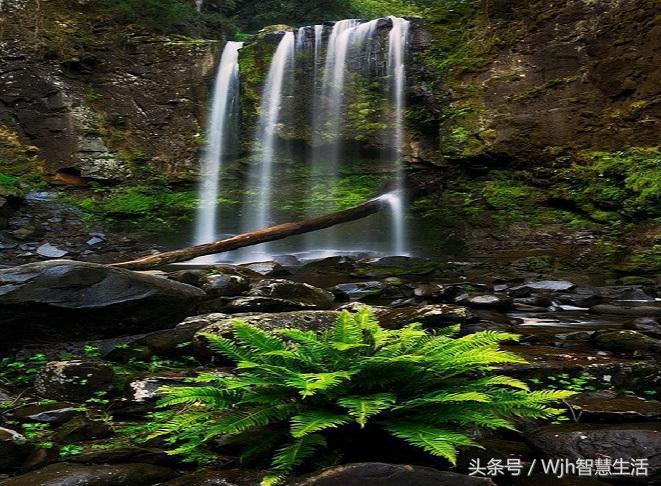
[558,77]
[121,105]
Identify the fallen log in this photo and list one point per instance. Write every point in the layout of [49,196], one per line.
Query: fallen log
[263,235]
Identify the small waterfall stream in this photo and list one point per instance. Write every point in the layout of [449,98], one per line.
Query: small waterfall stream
[331,57]
[397,48]
[261,176]
[221,136]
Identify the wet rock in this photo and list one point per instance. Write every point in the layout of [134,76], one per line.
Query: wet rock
[358,290]
[49,413]
[14,449]
[625,341]
[591,441]
[543,285]
[581,297]
[307,320]
[479,326]
[645,324]
[287,260]
[336,265]
[438,293]
[222,285]
[268,269]
[189,277]
[125,454]
[148,389]
[382,474]
[638,311]
[74,381]
[165,343]
[94,241]
[608,406]
[80,429]
[500,302]
[79,300]
[50,251]
[66,474]
[543,301]
[225,477]
[433,315]
[304,295]
[394,266]
[254,304]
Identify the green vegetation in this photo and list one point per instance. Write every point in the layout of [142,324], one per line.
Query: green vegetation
[153,204]
[614,185]
[298,388]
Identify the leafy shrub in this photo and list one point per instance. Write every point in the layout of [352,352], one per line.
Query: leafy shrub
[294,387]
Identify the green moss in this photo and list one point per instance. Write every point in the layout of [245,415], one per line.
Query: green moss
[614,186]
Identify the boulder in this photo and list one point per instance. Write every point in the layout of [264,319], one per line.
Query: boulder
[307,320]
[48,413]
[74,381]
[608,406]
[358,290]
[644,324]
[69,299]
[394,266]
[592,441]
[625,341]
[335,265]
[267,269]
[126,454]
[542,285]
[81,429]
[493,301]
[14,449]
[67,474]
[142,395]
[225,477]
[223,285]
[301,294]
[637,311]
[433,315]
[50,251]
[382,474]
[165,343]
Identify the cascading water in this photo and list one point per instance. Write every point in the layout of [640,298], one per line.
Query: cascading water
[334,61]
[397,48]
[260,178]
[221,135]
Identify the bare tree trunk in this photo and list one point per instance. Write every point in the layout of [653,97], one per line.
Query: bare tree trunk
[261,235]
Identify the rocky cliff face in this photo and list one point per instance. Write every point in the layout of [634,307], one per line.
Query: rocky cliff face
[114,107]
[538,80]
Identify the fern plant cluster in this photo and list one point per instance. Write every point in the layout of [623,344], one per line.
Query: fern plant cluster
[291,388]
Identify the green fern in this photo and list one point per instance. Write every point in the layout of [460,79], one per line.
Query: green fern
[431,390]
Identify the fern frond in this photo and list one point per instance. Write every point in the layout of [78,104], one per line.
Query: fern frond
[363,407]
[256,339]
[347,328]
[315,421]
[438,442]
[291,456]
[226,348]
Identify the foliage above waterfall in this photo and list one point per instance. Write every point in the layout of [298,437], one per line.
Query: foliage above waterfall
[302,390]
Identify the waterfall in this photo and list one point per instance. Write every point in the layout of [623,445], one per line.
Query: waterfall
[221,135]
[199,4]
[397,48]
[260,177]
[335,65]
